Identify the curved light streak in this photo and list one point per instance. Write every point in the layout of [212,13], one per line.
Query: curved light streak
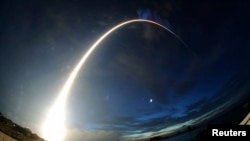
[53,127]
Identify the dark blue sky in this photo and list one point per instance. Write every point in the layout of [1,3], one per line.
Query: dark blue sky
[140,81]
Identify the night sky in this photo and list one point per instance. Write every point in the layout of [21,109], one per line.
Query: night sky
[141,81]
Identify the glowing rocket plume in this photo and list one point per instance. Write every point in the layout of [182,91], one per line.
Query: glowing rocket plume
[53,127]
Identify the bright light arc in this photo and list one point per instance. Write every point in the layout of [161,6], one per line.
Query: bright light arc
[54,125]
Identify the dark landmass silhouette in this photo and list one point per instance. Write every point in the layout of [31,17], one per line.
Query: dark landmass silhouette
[15,131]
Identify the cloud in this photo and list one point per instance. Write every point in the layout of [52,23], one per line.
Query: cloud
[152,15]
[149,33]
[75,134]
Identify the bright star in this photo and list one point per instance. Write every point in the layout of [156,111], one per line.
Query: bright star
[151,100]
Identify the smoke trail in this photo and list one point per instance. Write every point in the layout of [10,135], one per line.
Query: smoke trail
[149,15]
[53,127]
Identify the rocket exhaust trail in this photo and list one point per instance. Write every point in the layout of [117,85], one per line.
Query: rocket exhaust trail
[53,127]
